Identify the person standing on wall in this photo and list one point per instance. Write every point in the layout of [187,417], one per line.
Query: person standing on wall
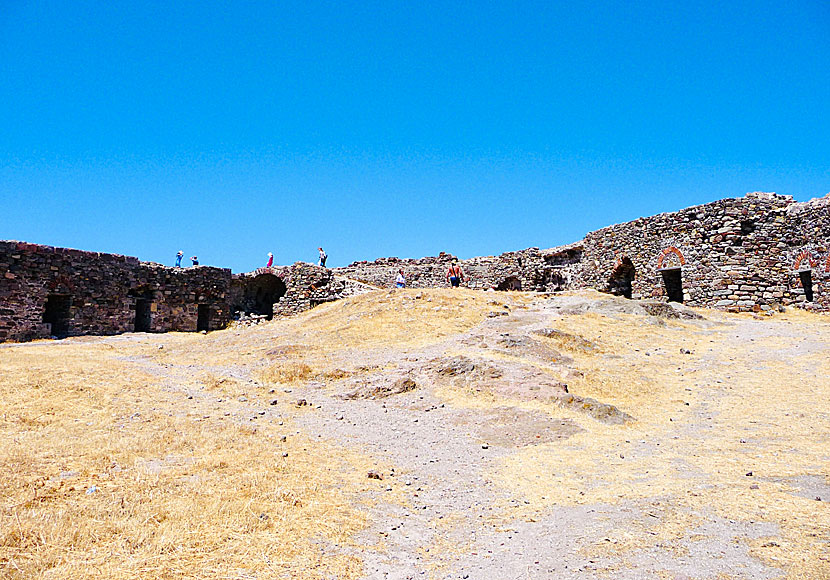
[179,255]
[323,257]
[455,275]
[270,260]
[400,281]
[195,260]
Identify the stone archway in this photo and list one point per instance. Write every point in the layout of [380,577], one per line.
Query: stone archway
[799,262]
[261,293]
[670,257]
[57,314]
[510,283]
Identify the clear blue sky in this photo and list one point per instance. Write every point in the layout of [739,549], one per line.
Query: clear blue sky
[396,128]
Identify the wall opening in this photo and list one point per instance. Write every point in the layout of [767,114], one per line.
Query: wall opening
[510,283]
[56,313]
[807,283]
[673,281]
[203,318]
[261,293]
[143,318]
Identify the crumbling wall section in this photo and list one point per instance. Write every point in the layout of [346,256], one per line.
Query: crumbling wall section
[306,285]
[531,270]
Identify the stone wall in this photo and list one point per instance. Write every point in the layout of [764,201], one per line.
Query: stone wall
[737,254]
[96,293]
[749,253]
[304,286]
[806,234]
[531,269]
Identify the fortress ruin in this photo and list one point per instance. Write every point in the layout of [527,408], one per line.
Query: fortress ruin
[742,254]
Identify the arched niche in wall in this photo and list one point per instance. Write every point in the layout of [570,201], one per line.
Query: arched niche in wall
[262,292]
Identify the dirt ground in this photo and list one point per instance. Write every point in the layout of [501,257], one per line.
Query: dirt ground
[426,434]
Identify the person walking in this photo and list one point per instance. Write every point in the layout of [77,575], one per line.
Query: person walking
[400,281]
[195,260]
[179,255]
[455,275]
[323,257]
[270,260]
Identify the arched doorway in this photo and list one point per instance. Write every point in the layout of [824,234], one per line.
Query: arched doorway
[670,263]
[803,266]
[262,292]
[673,282]
[510,283]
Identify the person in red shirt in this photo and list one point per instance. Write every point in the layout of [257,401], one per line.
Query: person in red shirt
[270,260]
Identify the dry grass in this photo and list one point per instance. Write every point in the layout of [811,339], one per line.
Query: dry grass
[401,318]
[105,476]
[182,490]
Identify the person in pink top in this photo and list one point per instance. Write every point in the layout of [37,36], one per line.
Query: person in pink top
[270,260]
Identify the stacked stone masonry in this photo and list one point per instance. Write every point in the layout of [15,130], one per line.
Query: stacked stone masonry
[749,253]
[47,291]
[745,254]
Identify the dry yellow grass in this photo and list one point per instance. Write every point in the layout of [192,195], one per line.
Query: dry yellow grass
[105,475]
[395,318]
[181,490]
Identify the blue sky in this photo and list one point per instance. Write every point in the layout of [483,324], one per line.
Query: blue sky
[396,128]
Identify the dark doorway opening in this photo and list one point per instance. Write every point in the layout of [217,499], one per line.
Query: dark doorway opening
[263,292]
[673,280]
[203,318]
[56,313]
[807,283]
[143,318]
[510,283]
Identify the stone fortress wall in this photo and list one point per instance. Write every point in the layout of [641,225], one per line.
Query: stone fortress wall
[749,253]
[738,254]
[531,270]
[47,291]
